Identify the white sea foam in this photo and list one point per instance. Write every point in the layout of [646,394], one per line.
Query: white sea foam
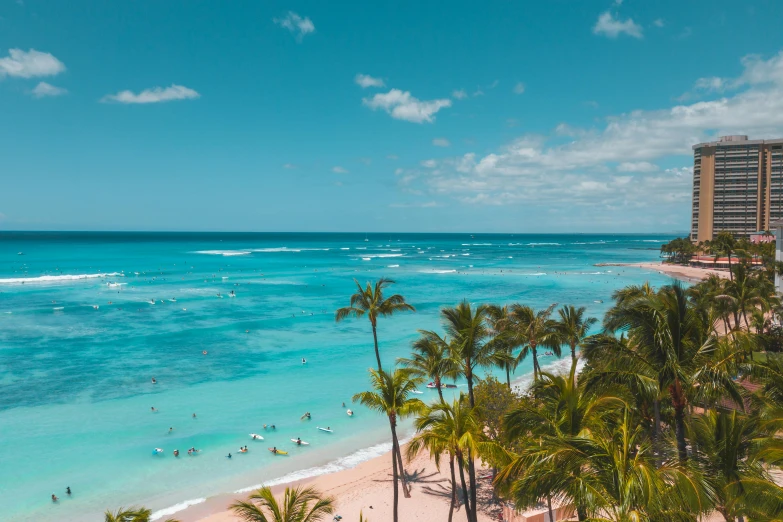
[115,285]
[437,271]
[348,462]
[535,274]
[393,266]
[345,248]
[223,252]
[56,279]
[175,508]
[385,255]
[543,244]
[366,259]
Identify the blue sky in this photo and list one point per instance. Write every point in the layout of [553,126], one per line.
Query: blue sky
[489,116]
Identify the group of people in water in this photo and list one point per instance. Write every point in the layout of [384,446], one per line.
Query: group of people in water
[55,498]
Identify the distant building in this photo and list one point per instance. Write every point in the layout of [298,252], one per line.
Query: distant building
[737,186]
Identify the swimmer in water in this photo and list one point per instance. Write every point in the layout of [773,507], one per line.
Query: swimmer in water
[171,430]
[304,361]
[154,410]
[194,415]
[154,381]
[68,491]
[228,456]
[54,498]
[176,453]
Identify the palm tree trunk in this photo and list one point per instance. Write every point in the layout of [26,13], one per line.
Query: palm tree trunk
[657,429]
[573,352]
[508,376]
[536,368]
[731,273]
[377,353]
[678,401]
[394,471]
[453,487]
[469,377]
[549,507]
[472,476]
[440,392]
[406,490]
[465,495]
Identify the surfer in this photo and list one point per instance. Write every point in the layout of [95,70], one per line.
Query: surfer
[299,441]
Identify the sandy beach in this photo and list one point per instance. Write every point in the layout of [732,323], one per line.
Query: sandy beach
[366,488]
[685,273]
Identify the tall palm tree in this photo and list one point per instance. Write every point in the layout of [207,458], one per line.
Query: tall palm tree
[572,327]
[298,505]
[743,294]
[668,341]
[131,515]
[391,395]
[452,429]
[531,330]
[499,321]
[471,347]
[430,359]
[724,243]
[370,301]
[631,292]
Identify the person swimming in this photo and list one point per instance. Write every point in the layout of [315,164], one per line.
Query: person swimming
[153,409]
[228,456]
[171,430]
[176,453]
[54,498]
[274,449]
[154,381]
[304,361]
[194,415]
[68,491]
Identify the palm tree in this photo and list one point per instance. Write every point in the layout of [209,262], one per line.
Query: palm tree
[298,505]
[370,301]
[452,429]
[499,320]
[724,243]
[557,407]
[530,330]
[572,327]
[631,292]
[743,294]
[667,341]
[724,450]
[131,515]
[391,396]
[471,347]
[430,359]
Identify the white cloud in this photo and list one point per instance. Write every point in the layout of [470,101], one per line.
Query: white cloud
[289,166]
[402,106]
[710,84]
[365,81]
[29,64]
[639,166]
[296,24]
[611,168]
[658,22]
[441,142]
[618,2]
[459,94]
[44,89]
[339,170]
[154,95]
[494,84]
[519,88]
[612,27]
[478,92]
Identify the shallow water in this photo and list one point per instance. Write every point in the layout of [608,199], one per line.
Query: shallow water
[80,341]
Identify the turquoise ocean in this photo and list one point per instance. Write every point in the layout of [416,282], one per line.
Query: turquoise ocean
[87,319]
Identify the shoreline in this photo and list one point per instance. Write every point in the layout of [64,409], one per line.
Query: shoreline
[349,484]
[688,274]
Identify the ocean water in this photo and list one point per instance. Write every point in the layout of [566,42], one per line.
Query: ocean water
[87,319]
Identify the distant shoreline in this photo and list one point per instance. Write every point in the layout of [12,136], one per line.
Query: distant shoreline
[689,274]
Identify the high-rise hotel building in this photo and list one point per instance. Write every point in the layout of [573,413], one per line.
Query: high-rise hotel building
[737,186]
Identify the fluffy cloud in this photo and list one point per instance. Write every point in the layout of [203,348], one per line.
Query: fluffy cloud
[612,27]
[613,167]
[519,88]
[29,64]
[289,166]
[365,81]
[44,89]
[441,142]
[339,170]
[658,22]
[296,24]
[154,95]
[459,94]
[403,106]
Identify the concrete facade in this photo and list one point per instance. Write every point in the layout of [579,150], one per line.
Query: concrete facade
[737,186]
